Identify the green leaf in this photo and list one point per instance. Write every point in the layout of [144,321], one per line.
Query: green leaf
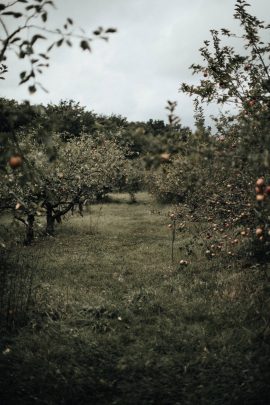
[44,17]
[85,45]
[110,30]
[13,14]
[43,55]
[59,43]
[36,37]
[43,65]
[22,54]
[22,74]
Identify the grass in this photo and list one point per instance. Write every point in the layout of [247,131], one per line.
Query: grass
[113,321]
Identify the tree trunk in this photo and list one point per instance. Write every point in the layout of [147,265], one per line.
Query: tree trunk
[50,220]
[29,237]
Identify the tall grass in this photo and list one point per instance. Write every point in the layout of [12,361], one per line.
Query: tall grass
[114,322]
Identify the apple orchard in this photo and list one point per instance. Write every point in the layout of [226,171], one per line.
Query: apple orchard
[59,158]
[134,256]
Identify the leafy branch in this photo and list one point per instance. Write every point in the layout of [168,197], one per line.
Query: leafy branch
[25,40]
[231,78]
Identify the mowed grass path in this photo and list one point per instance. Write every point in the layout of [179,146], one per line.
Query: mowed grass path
[115,322]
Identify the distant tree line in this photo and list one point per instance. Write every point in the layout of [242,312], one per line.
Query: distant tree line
[69,119]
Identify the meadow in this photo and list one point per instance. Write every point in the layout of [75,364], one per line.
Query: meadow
[112,320]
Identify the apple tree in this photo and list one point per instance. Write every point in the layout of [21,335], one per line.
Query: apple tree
[240,82]
[83,169]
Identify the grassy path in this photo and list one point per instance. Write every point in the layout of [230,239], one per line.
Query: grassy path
[116,323]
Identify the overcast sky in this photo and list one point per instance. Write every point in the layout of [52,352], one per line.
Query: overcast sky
[143,64]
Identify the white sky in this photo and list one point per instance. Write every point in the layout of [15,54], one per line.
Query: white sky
[143,64]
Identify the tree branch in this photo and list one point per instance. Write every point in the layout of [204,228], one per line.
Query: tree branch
[4,26]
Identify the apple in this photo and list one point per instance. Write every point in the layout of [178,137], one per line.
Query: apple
[260,182]
[258,190]
[15,161]
[260,197]
[165,157]
[259,232]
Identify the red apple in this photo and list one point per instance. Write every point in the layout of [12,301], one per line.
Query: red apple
[15,161]
[260,182]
